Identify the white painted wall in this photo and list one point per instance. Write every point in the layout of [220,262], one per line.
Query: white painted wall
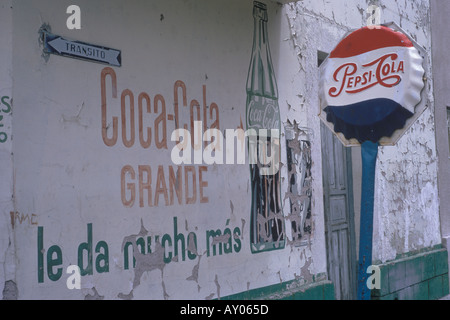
[406,195]
[67,179]
[7,258]
[440,23]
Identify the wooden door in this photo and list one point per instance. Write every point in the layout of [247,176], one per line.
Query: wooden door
[339,223]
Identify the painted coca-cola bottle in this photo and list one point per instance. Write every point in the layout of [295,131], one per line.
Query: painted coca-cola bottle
[263,127]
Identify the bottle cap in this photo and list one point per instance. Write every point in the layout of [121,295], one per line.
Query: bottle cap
[371,83]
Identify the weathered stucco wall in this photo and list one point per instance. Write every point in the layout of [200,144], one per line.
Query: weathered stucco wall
[83,198]
[406,195]
[407,202]
[439,14]
[7,254]
[80,189]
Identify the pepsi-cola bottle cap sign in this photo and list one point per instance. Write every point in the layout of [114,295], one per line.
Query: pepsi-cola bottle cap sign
[371,84]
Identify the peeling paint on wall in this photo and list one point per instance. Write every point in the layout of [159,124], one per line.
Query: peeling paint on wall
[10,291]
[406,194]
[94,295]
[67,177]
[145,262]
[299,193]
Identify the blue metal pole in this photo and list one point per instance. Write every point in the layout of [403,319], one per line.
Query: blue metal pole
[369,152]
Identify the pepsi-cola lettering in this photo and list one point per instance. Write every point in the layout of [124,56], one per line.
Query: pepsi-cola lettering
[386,74]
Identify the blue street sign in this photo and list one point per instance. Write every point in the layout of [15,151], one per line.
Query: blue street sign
[58,45]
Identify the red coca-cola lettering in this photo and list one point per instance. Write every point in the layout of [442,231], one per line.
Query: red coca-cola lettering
[386,74]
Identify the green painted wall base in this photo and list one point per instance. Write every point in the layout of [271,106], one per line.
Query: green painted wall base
[413,276]
[422,276]
[290,290]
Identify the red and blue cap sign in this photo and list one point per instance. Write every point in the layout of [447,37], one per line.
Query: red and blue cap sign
[371,84]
